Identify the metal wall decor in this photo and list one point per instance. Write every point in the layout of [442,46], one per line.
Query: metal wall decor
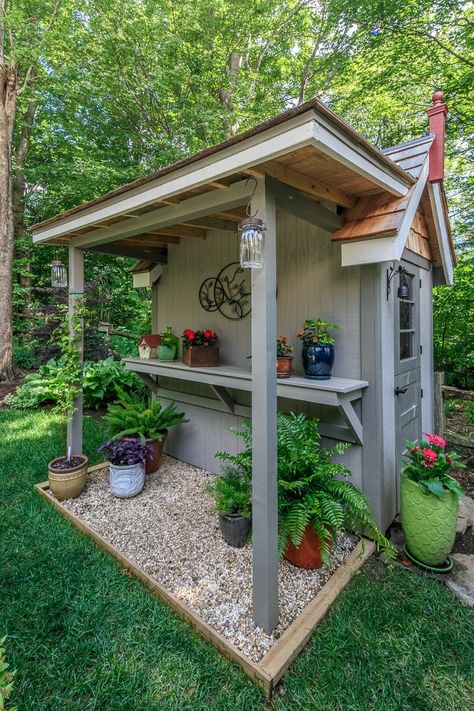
[228,292]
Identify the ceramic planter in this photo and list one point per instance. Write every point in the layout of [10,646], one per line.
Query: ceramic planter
[67,483]
[201,356]
[235,529]
[428,522]
[308,553]
[284,366]
[154,458]
[166,353]
[318,359]
[126,481]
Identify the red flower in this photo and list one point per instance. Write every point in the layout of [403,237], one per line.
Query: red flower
[190,335]
[208,334]
[430,457]
[436,440]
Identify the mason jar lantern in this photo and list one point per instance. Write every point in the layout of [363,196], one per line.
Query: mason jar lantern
[58,274]
[251,243]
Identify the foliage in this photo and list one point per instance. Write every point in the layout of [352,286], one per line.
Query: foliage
[23,356]
[168,340]
[470,411]
[284,349]
[100,383]
[308,490]
[428,463]
[6,678]
[133,416]
[317,332]
[124,452]
[199,338]
[232,494]
[67,336]
[454,325]
[449,406]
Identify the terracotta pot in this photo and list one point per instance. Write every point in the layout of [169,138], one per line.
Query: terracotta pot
[67,483]
[153,461]
[308,553]
[284,366]
[201,356]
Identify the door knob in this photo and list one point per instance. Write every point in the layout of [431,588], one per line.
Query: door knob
[400,391]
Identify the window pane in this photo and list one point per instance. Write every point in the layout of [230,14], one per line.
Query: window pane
[406,345]
[406,310]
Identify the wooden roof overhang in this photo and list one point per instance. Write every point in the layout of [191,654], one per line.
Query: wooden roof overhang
[308,150]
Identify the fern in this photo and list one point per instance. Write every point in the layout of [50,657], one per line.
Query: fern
[310,488]
[130,416]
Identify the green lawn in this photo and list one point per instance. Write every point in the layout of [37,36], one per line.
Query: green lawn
[83,635]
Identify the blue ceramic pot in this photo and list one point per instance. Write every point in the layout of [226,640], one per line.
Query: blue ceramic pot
[318,359]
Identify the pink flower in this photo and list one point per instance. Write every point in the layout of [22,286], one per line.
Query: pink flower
[430,457]
[436,440]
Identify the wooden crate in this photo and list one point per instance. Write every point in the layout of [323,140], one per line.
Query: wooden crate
[201,356]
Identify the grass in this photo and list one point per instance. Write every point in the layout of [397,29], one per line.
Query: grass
[84,636]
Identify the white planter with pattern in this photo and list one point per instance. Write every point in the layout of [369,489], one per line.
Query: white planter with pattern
[126,481]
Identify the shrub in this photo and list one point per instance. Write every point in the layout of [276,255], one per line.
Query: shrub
[100,383]
[470,411]
[24,357]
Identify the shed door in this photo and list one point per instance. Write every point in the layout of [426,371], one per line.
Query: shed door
[407,386]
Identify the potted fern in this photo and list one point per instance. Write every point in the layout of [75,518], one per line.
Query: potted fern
[314,504]
[233,503]
[132,417]
[67,474]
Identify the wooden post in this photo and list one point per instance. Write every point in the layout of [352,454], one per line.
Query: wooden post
[76,290]
[264,409]
[438,403]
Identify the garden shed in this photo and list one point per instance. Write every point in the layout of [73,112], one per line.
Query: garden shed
[354,235]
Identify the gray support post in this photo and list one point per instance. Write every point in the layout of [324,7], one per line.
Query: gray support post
[438,403]
[76,290]
[264,409]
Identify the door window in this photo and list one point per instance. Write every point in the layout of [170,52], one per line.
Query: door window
[406,320]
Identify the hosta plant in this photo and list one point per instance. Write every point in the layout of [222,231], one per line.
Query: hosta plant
[310,490]
[429,464]
[131,416]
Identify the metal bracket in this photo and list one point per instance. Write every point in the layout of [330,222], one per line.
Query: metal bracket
[225,397]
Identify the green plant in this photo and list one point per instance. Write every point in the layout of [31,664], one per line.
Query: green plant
[6,678]
[284,349]
[308,490]
[449,406]
[428,463]
[24,357]
[100,382]
[231,493]
[132,416]
[168,339]
[470,411]
[317,332]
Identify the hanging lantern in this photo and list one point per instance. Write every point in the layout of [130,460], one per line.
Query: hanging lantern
[58,274]
[251,243]
[403,291]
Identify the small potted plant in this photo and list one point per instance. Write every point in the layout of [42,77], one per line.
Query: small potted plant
[232,497]
[167,350]
[429,500]
[318,348]
[67,474]
[126,465]
[200,348]
[132,417]
[314,504]
[284,357]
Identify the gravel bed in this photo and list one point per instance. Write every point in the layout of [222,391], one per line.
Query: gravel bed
[171,532]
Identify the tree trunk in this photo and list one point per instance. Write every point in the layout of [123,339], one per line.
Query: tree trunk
[8,97]
[22,251]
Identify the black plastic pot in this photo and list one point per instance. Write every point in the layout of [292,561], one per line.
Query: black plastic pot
[235,529]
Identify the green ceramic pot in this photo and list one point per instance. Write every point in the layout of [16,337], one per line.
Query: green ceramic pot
[166,353]
[428,522]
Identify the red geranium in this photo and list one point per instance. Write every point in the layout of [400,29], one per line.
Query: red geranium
[436,440]
[199,338]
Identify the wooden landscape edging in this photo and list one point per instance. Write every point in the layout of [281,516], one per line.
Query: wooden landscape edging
[273,665]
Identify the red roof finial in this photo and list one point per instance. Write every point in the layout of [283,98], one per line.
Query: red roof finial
[437,115]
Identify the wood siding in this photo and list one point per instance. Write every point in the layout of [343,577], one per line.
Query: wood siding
[311,283]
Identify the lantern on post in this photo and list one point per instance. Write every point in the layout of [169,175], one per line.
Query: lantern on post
[58,274]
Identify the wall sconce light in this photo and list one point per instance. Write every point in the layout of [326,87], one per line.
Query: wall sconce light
[58,274]
[403,290]
[251,231]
